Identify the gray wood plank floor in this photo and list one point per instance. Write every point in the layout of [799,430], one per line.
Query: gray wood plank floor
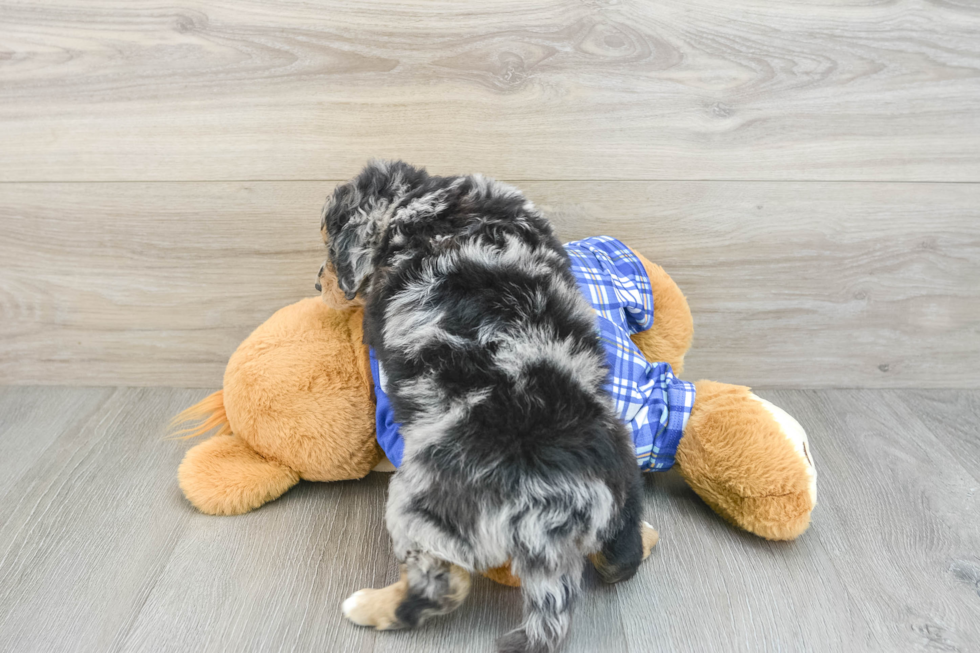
[100,552]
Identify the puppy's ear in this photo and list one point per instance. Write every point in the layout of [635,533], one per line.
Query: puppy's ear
[347,234]
[356,216]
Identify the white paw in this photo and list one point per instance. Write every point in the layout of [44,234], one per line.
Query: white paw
[371,607]
[649,537]
[350,607]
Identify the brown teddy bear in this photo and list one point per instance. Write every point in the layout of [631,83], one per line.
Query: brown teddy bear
[298,403]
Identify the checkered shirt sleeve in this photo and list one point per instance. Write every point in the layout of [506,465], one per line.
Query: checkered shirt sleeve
[649,398]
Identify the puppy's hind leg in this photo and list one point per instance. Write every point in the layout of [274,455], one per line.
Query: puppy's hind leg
[628,545]
[428,587]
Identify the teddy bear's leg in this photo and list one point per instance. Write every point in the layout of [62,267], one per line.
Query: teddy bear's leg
[225,476]
[673,327]
[749,460]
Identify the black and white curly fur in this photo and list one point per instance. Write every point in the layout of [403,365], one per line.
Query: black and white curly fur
[513,450]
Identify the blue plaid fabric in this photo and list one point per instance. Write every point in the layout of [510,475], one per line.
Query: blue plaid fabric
[649,398]
[653,403]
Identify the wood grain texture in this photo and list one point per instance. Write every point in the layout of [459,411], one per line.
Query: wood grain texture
[86,529]
[100,552]
[711,588]
[271,579]
[563,89]
[791,284]
[953,418]
[44,413]
[899,516]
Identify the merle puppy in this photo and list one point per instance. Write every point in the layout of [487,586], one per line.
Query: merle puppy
[494,368]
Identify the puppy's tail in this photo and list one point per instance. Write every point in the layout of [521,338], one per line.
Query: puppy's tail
[209,413]
[548,599]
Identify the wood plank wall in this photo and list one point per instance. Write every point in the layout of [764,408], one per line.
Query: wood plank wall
[809,172]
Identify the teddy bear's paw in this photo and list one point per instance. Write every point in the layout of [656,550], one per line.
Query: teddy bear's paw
[374,608]
[796,437]
[749,460]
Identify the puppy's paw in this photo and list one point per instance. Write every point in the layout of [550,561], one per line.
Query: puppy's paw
[517,641]
[650,538]
[374,608]
[355,610]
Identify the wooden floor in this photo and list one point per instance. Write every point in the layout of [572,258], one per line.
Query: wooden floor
[100,552]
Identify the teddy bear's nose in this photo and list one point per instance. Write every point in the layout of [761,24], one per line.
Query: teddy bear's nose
[318,287]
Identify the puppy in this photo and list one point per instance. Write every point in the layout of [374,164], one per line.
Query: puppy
[494,368]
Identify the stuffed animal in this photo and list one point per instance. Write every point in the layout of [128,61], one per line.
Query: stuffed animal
[299,401]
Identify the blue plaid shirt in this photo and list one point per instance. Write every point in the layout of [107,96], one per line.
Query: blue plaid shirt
[653,403]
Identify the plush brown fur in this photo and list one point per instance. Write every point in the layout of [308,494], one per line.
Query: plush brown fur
[287,381]
[208,412]
[673,327]
[225,476]
[737,459]
[297,396]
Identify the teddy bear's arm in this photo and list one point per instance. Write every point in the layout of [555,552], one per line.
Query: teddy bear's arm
[673,327]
